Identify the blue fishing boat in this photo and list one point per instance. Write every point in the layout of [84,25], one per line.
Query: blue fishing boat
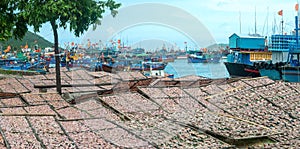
[16,64]
[285,55]
[246,53]
[279,46]
[202,57]
[291,71]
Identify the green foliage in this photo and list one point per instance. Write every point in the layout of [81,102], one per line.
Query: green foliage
[11,23]
[78,15]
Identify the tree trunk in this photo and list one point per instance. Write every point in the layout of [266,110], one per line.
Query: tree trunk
[57,57]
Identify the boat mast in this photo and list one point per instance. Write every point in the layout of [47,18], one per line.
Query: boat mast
[274,26]
[290,58]
[255,22]
[296,23]
[268,22]
[240,19]
[282,24]
[297,28]
[297,41]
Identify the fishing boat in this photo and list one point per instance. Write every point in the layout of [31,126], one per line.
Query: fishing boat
[285,56]
[147,66]
[112,68]
[167,58]
[50,62]
[279,46]
[18,65]
[102,66]
[109,65]
[246,51]
[157,73]
[291,71]
[154,69]
[194,56]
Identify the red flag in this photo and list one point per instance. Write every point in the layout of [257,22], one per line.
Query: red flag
[280,12]
[297,7]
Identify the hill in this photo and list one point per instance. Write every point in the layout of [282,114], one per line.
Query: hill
[30,38]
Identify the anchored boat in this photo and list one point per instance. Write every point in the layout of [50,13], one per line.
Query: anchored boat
[291,71]
[285,55]
[246,52]
[194,56]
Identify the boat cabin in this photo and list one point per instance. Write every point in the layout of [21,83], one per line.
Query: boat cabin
[248,49]
[247,43]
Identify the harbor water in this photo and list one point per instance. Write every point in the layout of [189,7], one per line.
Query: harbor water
[181,68]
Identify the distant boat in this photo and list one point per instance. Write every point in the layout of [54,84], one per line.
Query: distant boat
[201,57]
[153,69]
[157,73]
[168,58]
[107,68]
[147,66]
[15,64]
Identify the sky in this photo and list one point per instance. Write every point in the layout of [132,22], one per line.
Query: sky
[216,21]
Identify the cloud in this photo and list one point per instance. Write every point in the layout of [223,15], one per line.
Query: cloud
[221,17]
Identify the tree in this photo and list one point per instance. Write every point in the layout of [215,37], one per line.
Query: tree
[77,15]
[11,23]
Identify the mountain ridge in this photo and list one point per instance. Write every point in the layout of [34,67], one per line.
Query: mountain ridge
[31,39]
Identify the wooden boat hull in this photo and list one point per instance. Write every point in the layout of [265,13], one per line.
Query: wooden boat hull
[107,68]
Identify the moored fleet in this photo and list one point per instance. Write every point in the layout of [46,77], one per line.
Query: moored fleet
[96,58]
